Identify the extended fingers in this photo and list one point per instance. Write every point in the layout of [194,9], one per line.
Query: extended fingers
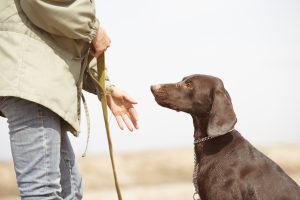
[129,119]
[127,122]
[133,117]
[124,119]
[129,99]
[123,110]
[119,121]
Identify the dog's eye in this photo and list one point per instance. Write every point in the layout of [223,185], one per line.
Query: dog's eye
[188,85]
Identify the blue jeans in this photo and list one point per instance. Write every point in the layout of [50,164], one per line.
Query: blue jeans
[43,158]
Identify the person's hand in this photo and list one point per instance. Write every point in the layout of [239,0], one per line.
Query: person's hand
[121,105]
[100,43]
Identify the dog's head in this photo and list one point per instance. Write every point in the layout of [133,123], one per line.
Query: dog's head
[202,96]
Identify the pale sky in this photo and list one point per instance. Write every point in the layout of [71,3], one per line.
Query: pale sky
[253,46]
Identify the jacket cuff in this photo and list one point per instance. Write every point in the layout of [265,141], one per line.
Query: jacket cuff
[109,87]
[93,29]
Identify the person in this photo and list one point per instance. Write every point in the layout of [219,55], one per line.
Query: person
[44,50]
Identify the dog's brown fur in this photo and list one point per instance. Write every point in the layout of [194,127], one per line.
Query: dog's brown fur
[228,167]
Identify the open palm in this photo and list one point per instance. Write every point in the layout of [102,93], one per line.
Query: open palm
[121,105]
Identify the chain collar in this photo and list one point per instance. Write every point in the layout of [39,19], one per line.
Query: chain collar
[200,140]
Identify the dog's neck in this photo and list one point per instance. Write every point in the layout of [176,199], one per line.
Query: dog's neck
[213,145]
[200,126]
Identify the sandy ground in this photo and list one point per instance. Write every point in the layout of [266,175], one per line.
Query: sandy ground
[149,175]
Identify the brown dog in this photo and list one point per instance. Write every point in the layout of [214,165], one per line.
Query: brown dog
[227,166]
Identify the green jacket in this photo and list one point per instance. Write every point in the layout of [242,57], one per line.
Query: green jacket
[44,46]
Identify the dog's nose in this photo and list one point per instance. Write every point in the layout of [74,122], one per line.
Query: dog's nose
[155,87]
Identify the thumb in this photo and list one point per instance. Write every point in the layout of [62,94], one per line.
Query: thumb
[129,99]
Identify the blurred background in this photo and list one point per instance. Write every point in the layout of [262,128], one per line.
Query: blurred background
[253,46]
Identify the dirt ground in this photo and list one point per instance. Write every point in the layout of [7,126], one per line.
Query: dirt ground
[149,175]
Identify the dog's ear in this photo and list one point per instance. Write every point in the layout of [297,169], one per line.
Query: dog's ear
[222,117]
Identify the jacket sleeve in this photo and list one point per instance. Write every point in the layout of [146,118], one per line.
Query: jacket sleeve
[74,19]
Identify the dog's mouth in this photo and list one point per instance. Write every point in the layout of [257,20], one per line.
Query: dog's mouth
[159,93]
[167,104]
[161,97]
